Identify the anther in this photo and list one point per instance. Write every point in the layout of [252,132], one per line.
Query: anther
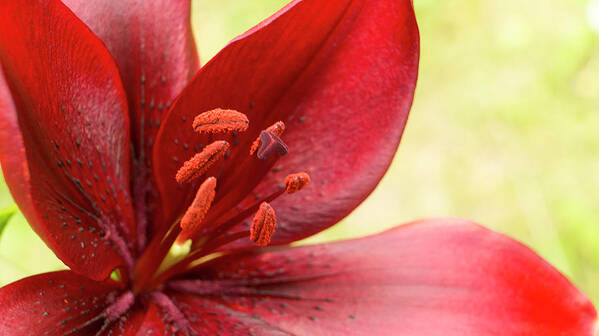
[296,182]
[192,220]
[220,121]
[201,162]
[277,129]
[270,144]
[263,225]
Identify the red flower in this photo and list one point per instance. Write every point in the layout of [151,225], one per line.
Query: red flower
[91,146]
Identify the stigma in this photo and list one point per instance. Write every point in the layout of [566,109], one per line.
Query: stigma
[277,129]
[270,143]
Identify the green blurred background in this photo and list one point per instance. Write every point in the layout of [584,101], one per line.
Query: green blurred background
[504,129]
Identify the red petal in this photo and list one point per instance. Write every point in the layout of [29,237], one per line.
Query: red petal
[51,303]
[56,303]
[70,108]
[137,322]
[205,317]
[340,74]
[153,46]
[152,43]
[208,317]
[12,150]
[152,320]
[437,275]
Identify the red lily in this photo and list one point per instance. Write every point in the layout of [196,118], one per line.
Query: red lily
[93,151]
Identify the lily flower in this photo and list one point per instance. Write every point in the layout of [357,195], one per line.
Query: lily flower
[172,193]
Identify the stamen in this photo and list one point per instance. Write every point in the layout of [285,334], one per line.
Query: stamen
[261,231]
[201,162]
[293,183]
[277,129]
[263,226]
[220,121]
[270,144]
[296,182]
[194,216]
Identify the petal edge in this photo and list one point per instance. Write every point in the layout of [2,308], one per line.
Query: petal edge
[467,279]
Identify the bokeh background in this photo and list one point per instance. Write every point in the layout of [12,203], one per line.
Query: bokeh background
[504,129]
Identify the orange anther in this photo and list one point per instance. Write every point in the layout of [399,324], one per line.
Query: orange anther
[263,225]
[277,129]
[192,220]
[201,162]
[220,121]
[296,182]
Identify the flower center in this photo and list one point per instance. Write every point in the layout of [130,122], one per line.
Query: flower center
[200,238]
